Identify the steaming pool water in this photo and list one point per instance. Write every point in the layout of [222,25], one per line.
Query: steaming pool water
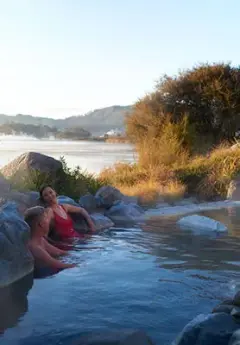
[155,278]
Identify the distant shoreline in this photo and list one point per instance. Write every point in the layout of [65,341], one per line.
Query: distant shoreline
[113,140]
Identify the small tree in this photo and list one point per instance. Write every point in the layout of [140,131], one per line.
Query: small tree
[209,95]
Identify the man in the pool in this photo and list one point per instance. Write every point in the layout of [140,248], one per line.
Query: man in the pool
[38,219]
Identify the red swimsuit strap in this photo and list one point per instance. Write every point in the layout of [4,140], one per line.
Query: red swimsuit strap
[62,219]
[64,226]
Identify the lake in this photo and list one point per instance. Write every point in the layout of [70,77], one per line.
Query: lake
[90,155]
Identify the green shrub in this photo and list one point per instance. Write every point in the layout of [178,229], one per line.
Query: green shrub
[71,182]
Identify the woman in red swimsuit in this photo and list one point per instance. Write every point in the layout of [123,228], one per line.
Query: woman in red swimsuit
[63,224]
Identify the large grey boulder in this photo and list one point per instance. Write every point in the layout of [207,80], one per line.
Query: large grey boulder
[122,213]
[5,186]
[14,302]
[236,299]
[233,192]
[89,202]
[107,195]
[62,199]
[235,339]
[23,166]
[101,222]
[230,306]
[23,200]
[162,205]
[186,201]
[208,330]
[130,199]
[15,259]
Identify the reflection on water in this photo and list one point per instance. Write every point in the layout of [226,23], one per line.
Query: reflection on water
[90,155]
[156,278]
[181,249]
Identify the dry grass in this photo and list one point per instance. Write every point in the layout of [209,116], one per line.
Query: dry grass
[152,179]
[124,174]
[166,151]
[155,178]
[150,186]
[209,176]
[150,192]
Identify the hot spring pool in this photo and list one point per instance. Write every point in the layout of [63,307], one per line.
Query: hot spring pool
[156,279]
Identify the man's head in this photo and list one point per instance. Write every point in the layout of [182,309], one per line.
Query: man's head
[38,220]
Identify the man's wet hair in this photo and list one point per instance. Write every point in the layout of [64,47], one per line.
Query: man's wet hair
[33,215]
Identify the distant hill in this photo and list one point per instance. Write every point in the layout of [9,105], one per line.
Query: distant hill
[97,122]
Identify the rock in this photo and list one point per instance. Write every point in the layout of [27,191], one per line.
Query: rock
[236,300]
[88,202]
[34,196]
[162,204]
[79,223]
[236,312]
[15,259]
[233,192]
[22,200]
[123,337]
[62,199]
[101,222]
[223,308]
[14,302]
[125,214]
[23,166]
[185,202]
[130,199]
[208,330]
[106,196]
[228,301]
[235,339]
[5,186]
[201,223]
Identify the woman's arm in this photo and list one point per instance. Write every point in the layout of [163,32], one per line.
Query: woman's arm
[84,213]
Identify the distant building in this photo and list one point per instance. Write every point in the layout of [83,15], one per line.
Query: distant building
[114,133]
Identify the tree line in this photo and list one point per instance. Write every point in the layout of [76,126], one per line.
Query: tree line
[43,131]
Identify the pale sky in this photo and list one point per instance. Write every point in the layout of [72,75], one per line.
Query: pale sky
[65,57]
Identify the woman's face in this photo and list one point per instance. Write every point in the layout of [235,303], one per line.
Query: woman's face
[49,196]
